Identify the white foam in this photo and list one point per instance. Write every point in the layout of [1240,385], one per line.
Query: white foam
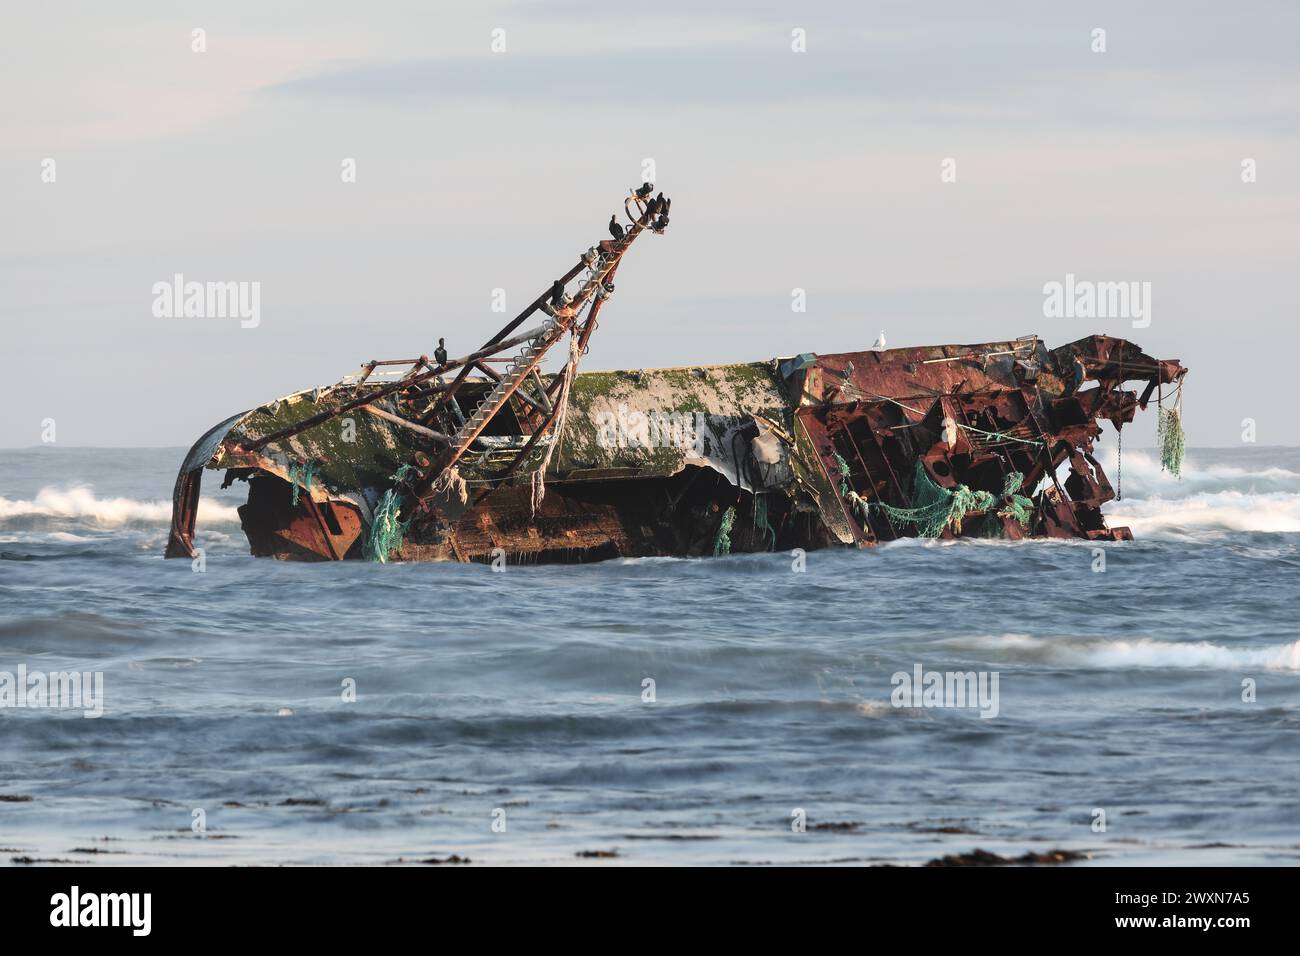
[1142,652]
[1144,478]
[80,502]
[1212,498]
[1223,511]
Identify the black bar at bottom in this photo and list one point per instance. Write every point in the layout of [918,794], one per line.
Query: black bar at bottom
[657,906]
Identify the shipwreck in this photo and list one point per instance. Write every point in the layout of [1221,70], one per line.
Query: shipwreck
[484,457]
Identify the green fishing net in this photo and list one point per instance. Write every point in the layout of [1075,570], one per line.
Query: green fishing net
[1169,435]
[1015,505]
[935,509]
[844,473]
[301,476]
[387,530]
[857,503]
[722,543]
[932,506]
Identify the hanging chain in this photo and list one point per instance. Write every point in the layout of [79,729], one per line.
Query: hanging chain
[1119,464]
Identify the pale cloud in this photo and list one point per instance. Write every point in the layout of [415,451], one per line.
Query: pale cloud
[154,86]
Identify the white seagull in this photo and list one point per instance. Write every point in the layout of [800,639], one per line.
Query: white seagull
[880,342]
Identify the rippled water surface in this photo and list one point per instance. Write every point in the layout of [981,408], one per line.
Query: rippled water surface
[517,697]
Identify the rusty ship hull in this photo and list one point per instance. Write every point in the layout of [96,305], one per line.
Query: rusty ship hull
[484,458]
[776,436]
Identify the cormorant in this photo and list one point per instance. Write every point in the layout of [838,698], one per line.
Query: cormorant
[440,353]
[644,190]
[615,229]
[557,294]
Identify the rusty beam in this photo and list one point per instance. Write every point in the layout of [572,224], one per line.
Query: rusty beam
[382,392]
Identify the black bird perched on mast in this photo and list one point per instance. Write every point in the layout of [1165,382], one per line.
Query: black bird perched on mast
[440,353]
[557,294]
[644,190]
[651,208]
[615,229]
[661,223]
[665,204]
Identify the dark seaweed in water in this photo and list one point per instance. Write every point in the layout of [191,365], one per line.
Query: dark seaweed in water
[985,858]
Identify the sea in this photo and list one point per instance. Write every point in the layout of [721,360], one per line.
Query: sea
[1132,703]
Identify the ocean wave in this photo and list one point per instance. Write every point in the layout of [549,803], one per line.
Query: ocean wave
[1121,655]
[1207,498]
[80,506]
[1144,478]
[1225,511]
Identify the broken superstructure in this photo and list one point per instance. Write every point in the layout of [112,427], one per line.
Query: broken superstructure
[484,456]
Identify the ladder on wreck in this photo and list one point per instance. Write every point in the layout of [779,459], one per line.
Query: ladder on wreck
[601,262]
[519,369]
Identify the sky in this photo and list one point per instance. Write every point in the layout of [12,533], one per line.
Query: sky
[924,169]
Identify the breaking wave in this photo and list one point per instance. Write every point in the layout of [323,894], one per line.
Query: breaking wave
[1143,652]
[1210,497]
[1224,511]
[79,505]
